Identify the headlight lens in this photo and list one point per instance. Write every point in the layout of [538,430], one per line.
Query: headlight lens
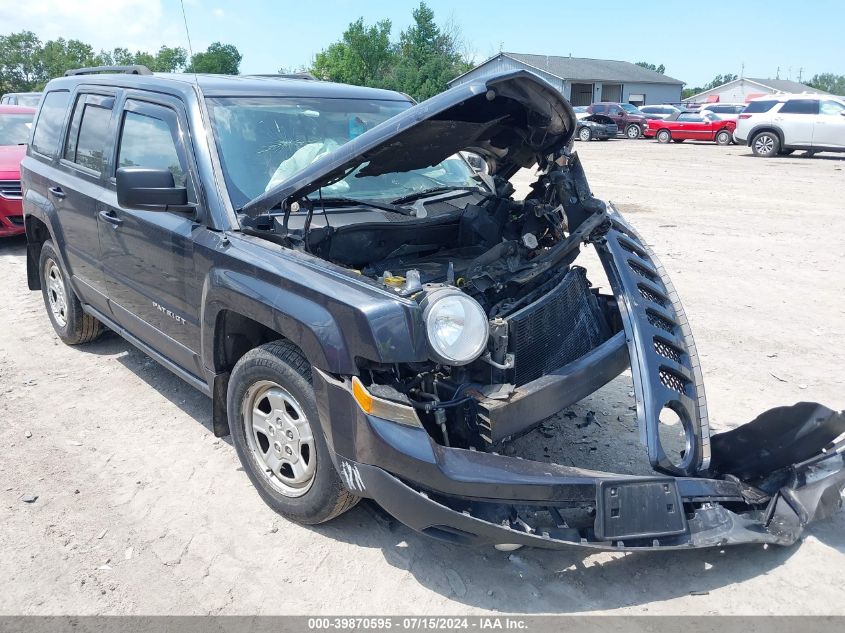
[456,327]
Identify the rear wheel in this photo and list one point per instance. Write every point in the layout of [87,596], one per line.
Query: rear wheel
[664,136]
[64,309]
[724,137]
[585,134]
[765,144]
[276,431]
[633,131]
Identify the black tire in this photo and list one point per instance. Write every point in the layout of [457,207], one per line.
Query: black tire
[585,134]
[724,137]
[282,364]
[633,132]
[678,140]
[64,309]
[765,144]
[664,136]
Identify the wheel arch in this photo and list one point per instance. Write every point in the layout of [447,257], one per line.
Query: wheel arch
[37,232]
[765,128]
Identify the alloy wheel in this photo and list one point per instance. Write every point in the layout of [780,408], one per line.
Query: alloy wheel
[764,144]
[280,438]
[56,292]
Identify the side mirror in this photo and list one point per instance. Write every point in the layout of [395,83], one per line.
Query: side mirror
[148,189]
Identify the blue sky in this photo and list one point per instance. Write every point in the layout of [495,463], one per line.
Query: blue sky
[695,40]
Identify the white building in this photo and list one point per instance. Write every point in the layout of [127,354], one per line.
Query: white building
[746,88]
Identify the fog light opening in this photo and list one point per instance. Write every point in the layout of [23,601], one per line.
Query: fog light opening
[674,435]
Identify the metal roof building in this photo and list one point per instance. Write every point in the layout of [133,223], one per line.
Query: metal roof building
[746,88]
[583,80]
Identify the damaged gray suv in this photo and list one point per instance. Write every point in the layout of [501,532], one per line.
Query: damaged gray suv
[372,317]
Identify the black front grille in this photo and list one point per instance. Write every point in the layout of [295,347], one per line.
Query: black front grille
[557,329]
[10,188]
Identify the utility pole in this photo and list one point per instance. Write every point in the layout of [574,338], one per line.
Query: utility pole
[800,72]
[742,70]
[777,75]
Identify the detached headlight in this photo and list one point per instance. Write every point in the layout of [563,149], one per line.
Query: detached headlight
[456,326]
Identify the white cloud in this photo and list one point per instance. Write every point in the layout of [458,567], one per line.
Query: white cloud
[104,24]
[217,12]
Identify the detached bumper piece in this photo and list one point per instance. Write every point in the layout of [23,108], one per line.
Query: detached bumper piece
[631,513]
[473,497]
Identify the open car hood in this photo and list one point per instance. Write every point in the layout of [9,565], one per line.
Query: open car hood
[512,119]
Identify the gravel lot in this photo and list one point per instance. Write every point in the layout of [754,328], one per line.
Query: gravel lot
[141,510]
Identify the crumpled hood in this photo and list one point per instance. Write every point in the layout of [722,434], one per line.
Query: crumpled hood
[513,119]
[10,161]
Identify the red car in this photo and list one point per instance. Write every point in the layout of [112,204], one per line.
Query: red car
[15,126]
[683,126]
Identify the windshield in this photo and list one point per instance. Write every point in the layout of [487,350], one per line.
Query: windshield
[630,108]
[30,101]
[15,128]
[263,141]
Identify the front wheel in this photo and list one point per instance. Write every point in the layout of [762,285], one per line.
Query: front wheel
[633,132]
[276,432]
[766,144]
[664,136]
[724,137]
[585,134]
[64,309]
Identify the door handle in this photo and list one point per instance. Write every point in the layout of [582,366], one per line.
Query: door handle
[111,218]
[57,193]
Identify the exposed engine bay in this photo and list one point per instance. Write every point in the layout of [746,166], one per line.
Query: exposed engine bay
[513,258]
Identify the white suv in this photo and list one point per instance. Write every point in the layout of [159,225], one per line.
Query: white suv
[779,124]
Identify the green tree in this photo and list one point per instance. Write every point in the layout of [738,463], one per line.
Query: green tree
[363,56]
[658,69]
[428,56]
[828,82]
[218,59]
[20,62]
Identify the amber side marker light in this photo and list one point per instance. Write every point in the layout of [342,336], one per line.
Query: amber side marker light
[381,408]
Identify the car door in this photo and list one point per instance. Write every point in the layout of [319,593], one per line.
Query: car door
[78,188]
[148,256]
[687,126]
[796,118]
[618,115]
[829,125]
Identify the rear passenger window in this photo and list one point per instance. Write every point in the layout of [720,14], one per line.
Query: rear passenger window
[800,106]
[146,141]
[755,107]
[88,136]
[48,129]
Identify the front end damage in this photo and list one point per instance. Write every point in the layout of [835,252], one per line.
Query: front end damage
[422,435]
[437,468]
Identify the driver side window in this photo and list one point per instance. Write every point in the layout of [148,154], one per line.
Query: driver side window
[148,141]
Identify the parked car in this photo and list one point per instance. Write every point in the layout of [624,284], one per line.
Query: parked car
[780,124]
[27,99]
[373,319]
[595,126]
[659,111]
[684,126]
[15,129]
[631,125]
[725,111]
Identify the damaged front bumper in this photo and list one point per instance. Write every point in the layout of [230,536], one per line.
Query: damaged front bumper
[473,497]
[763,482]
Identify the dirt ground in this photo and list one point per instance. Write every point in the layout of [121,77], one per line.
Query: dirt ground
[141,510]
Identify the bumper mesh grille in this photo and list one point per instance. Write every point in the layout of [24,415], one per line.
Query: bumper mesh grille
[557,329]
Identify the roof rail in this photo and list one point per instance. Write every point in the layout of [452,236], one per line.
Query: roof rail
[302,75]
[136,69]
